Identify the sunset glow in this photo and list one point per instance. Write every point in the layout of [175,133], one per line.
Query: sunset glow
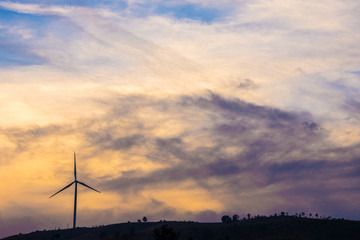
[177,110]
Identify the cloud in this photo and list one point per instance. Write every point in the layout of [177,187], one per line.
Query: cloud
[35,8]
[278,148]
[231,150]
[229,106]
[247,84]
[353,106]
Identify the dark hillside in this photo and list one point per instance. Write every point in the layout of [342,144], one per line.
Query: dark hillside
[266,228]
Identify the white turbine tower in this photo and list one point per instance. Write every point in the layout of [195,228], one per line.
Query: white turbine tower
[76,182]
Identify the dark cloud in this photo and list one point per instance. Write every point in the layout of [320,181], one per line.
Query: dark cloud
[268,144]
[243,146]
[105,140]
[235,109]
[353,107]
[223,167]
[258,131]
[247,84]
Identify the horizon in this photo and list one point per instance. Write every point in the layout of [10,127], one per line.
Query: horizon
[246,218]
[177,109]
[225,220]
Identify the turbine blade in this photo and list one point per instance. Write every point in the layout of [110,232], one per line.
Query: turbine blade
[62,189]
[75,165]
[88,186]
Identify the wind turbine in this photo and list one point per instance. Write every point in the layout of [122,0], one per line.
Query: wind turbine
[76,182]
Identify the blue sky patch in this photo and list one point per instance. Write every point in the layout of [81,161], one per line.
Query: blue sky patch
[13,48]
[24,20]
[12,55]
[10,16]
[81,3]
[190,11]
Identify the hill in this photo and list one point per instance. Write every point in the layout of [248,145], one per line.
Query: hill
[266,228]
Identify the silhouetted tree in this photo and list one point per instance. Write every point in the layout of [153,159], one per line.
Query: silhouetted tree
[165,233]
[248,215]
[316,215]
[144,219]
[235,218]
[310,215]
[225,219]
[139,221]
[282,214]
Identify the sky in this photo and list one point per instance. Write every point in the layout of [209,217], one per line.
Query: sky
[178,110]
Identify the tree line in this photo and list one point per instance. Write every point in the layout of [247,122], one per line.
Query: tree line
[236,218]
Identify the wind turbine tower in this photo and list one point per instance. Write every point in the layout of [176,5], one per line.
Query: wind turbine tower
[76,183]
